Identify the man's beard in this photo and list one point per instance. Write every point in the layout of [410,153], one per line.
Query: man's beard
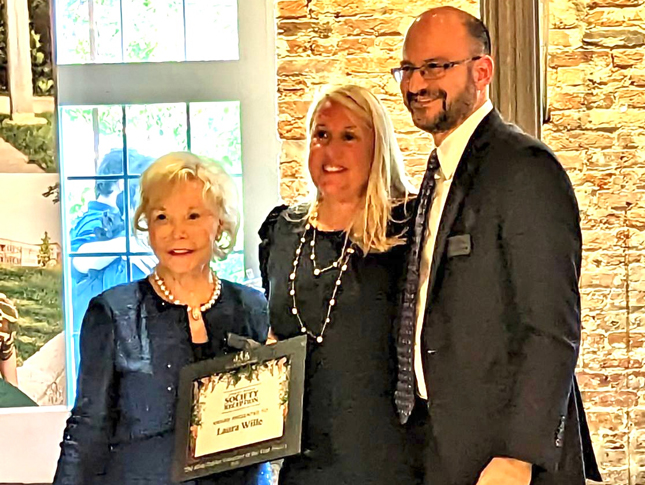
[453,113]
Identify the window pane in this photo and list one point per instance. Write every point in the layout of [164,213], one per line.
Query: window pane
[92,275]
[239,243]
[215,133]
[142,266]
[211,30]
[154,130]
[153,30]
[108,41]
[87,135]
[72,32]
[232,268]
[95,219]
[73,347]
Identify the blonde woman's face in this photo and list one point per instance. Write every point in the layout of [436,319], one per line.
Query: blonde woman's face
[341,153]
[182,227]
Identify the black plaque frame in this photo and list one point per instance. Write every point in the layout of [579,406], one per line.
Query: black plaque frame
[186,467]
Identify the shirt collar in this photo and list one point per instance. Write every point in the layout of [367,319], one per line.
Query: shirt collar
[452,148]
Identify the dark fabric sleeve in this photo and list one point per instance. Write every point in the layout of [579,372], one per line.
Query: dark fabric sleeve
[542,244]
[266,239]
[85,444]
[259,317]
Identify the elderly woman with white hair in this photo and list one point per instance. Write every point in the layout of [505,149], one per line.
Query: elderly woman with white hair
[331,268]
[136,337]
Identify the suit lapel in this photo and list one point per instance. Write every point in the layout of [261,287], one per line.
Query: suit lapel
[473,155]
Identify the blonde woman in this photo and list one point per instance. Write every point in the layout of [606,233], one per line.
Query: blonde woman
[331,268]
[135,338]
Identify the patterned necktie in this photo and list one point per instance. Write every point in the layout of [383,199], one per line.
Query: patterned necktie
[405,386]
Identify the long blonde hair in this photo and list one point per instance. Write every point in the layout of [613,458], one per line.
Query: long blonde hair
[387,184]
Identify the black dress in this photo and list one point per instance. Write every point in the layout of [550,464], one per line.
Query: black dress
[351,433]
[133,345]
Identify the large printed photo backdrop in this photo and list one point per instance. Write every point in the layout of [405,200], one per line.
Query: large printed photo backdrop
[31,316]
[101,152]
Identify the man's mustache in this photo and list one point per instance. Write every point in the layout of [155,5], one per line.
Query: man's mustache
[427,95]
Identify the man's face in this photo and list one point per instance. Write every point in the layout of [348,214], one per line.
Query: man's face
[439,105]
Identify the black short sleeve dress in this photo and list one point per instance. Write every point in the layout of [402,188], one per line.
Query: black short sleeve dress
[351,432]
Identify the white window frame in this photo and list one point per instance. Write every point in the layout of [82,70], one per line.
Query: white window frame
[251,80]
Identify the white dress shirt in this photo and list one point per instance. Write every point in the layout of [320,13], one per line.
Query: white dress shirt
[449,153]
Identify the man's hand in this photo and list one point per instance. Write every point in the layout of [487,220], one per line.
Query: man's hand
[505,471]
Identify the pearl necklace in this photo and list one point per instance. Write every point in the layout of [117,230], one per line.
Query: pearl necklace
[195,312]
[318,271]
[335,264]
[342,261]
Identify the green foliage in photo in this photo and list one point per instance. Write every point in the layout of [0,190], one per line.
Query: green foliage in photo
[40,47]
[37,293]
[35,141]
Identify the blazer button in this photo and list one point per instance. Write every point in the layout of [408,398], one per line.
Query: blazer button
[169,388]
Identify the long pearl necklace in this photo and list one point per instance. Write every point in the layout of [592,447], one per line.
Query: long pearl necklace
[335,264]
[194,312]
[342,261]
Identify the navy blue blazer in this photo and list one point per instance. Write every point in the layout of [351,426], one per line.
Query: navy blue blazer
[133,345]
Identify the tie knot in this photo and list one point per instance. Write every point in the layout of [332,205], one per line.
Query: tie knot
[433,161]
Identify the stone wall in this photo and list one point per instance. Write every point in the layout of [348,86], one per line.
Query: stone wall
[597,128]
[597,82]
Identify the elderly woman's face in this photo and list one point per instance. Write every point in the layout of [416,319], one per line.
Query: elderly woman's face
[341,152]
[182,227]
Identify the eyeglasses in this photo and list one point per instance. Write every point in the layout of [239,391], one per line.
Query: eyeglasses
[429,70]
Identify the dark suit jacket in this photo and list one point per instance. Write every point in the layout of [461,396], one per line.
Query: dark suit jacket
[502,324]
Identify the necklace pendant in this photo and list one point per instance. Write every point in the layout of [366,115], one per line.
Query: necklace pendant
[319,339]
[195,313]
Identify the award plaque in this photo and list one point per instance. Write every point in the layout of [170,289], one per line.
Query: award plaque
[240,409]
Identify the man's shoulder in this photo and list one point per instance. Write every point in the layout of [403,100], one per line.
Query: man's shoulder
[510,138]
[509,150]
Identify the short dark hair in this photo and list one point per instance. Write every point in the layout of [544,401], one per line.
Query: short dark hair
[112,164]
[479,33]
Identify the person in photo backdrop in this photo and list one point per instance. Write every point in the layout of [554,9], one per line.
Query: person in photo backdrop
[136,337]
[331,268]
[8,327]
[489,332]
[101,229]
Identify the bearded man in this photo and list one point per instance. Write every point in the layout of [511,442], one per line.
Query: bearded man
[489,330]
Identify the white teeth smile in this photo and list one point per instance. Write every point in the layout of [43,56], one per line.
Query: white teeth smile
[332,168]
[180,251]
[424,101]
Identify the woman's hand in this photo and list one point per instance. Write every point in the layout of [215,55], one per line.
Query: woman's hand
[271,338]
